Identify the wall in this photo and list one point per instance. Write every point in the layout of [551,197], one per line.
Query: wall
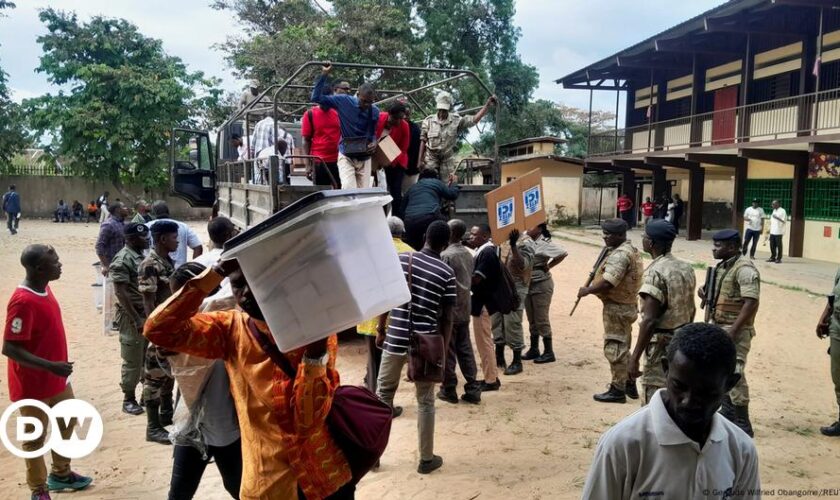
[592,199]
[562,182]
[759,169]
[817,245]
[39,195]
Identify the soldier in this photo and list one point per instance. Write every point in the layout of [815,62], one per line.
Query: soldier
[130,313]
[439,133]
[667,301]
[518,256]
[829,326]
[617,284]
[734,305]
[154,272]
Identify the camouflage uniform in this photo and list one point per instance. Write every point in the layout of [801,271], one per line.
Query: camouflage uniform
[124,269]
[671,282]
[834,337]
[737,279]
[155,272]
[623,270]
[440,137]
[507,328]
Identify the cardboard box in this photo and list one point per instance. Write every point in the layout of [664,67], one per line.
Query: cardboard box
[386,152]
[516,205]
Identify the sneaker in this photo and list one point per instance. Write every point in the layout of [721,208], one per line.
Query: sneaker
[427,466]
[40,494]
[450,396]
[72,481]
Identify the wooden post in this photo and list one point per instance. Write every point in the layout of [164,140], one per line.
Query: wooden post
[797,210]
[696,181]
[628,187]
[659,184]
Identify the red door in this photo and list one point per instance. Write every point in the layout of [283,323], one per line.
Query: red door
[723,120]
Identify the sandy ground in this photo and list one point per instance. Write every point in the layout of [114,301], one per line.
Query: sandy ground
[533,439]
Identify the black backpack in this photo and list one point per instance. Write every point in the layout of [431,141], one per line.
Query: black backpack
[505,296]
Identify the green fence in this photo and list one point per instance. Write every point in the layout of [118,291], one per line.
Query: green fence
[822,196]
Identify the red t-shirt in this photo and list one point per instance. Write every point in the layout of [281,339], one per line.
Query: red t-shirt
[326,133]
[624,204]
[34,320]
[400,134]
[647,209]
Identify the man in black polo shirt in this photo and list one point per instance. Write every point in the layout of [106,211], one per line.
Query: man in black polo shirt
[486,278]
[433,296]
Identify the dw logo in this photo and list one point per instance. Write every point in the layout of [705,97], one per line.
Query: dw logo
[74,427]
[504,213]
[532,201]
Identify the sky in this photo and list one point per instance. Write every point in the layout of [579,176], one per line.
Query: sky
[558,36]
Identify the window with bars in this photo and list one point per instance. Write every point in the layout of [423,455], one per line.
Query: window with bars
[767,190]
[775,87]
[822,199]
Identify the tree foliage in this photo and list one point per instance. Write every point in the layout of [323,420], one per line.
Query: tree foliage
[121,94]
[13,138]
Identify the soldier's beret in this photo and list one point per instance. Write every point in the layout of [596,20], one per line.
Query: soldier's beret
[614,226]
[164,227]
[135,228]
[660,230]
[727,235]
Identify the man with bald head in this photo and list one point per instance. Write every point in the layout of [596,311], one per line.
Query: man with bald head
[35,343]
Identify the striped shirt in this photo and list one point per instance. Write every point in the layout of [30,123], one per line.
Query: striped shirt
[432,288]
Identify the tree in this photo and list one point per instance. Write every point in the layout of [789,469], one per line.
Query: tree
[125,94]
[13,138]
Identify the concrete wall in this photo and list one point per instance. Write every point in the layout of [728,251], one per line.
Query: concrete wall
[592,199]
[39,195]
[819,246]
[562,182]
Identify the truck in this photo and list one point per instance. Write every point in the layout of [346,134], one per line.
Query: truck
[210,174]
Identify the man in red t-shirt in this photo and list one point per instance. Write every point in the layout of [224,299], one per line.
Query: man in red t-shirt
[34,342]
[394,125]
[320,130]
[625,209]
[647,210]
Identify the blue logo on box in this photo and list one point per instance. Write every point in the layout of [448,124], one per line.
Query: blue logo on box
[504,213]
[531,197]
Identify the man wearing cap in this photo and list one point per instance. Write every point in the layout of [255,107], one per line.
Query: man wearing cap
[249,94]
[734,305]
[667,303]
[616,283]
[153,282]
[754,218]
[130,314]
[439,133]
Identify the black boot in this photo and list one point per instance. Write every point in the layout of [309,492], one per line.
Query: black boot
[742,419]
[166,410]
[832,430]
[613,395]
[500,356]
[727,409]
[631,390]
[485,387]
[155,433]
[548,353]
[515,365]
[130,405]
[448,394]
[533,352]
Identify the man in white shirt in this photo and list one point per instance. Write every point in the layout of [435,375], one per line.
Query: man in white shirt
[679,446]
[778,222]
[263,137]
[186,236]
[754,218]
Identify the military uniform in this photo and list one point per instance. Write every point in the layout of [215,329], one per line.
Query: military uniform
[507,328]
[124,269]
[736,279]
[834,337]
[440,137]
[623,269]
[541,289]
[155,272]
[671,282]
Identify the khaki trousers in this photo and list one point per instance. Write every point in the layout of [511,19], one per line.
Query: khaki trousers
[354,174]
[835,365]
[483,334]
[537,307]
[390,371]
[36,468]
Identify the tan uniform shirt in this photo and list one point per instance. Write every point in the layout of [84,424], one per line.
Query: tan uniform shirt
[623,270]
[527,248]
[671,282]
[440,136]
[736,279]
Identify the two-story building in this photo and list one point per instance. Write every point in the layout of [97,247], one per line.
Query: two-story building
[745,99]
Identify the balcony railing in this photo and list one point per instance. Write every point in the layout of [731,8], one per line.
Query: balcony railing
[803,115]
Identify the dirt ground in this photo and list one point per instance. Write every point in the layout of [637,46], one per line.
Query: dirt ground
[532,440]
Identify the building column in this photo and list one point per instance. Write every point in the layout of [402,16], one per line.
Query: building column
[738,197]
[797,210]
[628,186]
[659,185]
[696,182]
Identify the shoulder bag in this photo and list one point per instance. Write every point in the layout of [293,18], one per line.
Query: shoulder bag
[426,351]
